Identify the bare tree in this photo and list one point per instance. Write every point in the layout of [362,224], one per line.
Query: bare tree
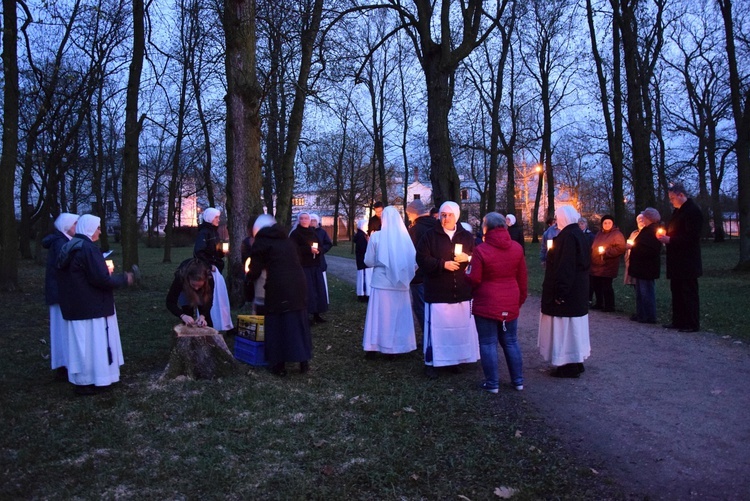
[242,132]
[133,125]
[740,98]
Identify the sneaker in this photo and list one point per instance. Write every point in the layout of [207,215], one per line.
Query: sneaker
[519,387]
[486,387]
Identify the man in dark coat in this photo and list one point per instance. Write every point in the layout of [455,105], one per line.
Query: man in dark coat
[684,263]
[420,223]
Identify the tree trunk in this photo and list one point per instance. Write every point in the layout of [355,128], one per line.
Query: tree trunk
[284,195]
[199,353]
[741,113]
[242,135]
[9,157]
[131,161]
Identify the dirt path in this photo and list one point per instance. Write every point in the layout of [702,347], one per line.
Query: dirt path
[666,413]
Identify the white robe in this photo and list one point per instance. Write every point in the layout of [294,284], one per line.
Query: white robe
[389,326]
[451,334]
[364,282]
[58,337]
[221,316]
[564,340]
[88,362]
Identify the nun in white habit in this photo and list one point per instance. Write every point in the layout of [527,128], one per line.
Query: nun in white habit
[87,303]
[65,228]
[450,336]
[564,322]
[389,326]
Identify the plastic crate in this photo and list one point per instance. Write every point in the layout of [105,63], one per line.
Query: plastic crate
[249,351]
[251,327]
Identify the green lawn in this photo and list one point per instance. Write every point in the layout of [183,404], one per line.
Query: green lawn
[350,429]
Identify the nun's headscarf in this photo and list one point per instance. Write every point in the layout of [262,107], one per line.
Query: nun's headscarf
[566,215]
[451,207]
[210,214]
[361,223]
[467,226]
[510,219]
[395,249]
[263,221]
[88,224]
[65,222]
[316,218]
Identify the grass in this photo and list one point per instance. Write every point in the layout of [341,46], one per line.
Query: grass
[350,429]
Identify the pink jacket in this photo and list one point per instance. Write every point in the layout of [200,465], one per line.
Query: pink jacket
[498,277]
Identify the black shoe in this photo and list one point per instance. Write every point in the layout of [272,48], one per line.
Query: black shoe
[61,374]
[670,326]
[689,329]
[431,372]
[581,368]
[370,355]
[319,320]
[566,371]
[647,321]
[90,389]
[304,367]
[635,318]
[279,369]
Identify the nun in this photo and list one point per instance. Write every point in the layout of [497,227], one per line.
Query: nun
[389,326]
[308,249]
[564,321]
[87,303]
[287,327]
[450,336]
[364,274]
[208,249]
[65,228]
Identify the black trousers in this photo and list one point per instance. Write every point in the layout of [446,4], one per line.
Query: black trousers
[605,294]
[685,303]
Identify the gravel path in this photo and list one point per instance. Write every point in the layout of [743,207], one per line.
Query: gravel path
[665,413]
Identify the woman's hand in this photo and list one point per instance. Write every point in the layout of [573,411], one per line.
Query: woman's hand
[201,322]
[451,265]
[461,257]
[188,320]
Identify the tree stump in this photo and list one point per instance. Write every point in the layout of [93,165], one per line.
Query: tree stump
[199,353]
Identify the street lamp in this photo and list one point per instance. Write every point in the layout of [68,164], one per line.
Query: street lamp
[540,172]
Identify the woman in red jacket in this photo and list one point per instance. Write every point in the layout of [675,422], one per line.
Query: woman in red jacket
[499,287]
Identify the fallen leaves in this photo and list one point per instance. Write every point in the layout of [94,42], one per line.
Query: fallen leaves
[505,492]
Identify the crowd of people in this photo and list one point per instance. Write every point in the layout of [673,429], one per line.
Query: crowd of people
[463,292]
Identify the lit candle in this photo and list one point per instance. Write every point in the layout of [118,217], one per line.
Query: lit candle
[315,245]
[660,232]
[549,244]
[225,247]
[110,265]
[458,249]
[247,265]
[631,242]
[601,249]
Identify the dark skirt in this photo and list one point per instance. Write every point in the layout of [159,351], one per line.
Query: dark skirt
[288,337]
[316,290]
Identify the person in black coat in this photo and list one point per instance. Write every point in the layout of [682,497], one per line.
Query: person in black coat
[563,326]
[87,302]
[515,231]
[421,223]
[287,328]
[190,296]
[645,267]
[324,245]
[308,248]
[208,248]
[684,263]
[450,336]
[363,275]
[65,228]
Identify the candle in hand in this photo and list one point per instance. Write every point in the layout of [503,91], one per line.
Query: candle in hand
[458,249]
[247,265]
[315,245]
[549,244]
[631,242]
[601,249]
[110,265]
[660,232]
[225,247]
